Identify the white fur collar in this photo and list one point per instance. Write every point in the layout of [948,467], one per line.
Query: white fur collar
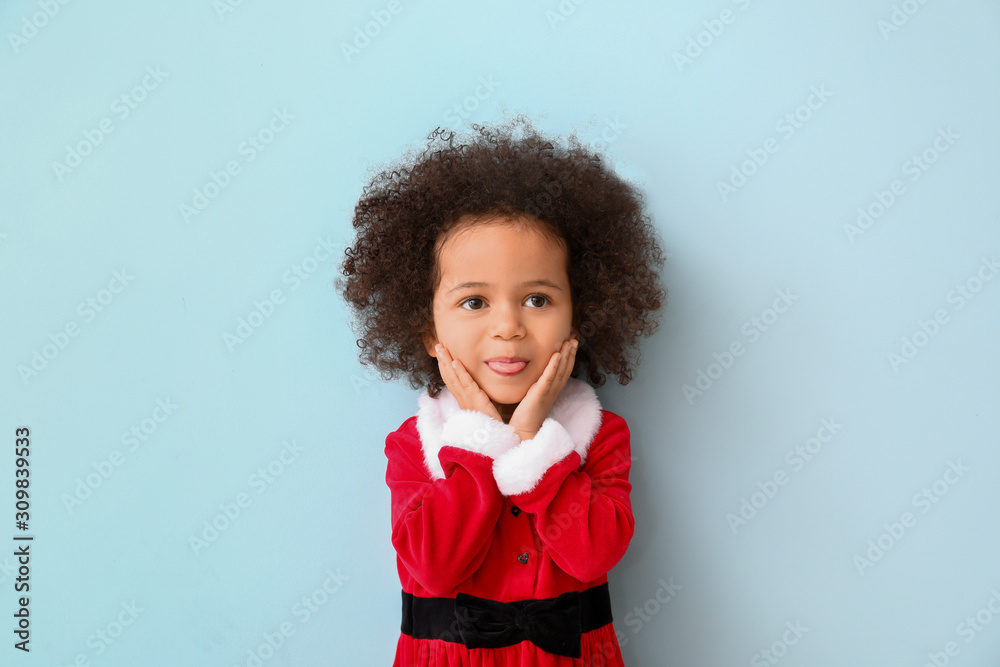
[576,408]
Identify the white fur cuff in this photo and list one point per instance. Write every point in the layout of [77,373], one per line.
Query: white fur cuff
[576,410]
[520,469]
[477,432]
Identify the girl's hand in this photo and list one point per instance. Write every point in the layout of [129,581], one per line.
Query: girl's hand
[462,386]
[536,404]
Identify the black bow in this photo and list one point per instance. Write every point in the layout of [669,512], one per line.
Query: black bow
[551,624]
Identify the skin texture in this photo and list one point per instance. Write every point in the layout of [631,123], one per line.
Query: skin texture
[503,319]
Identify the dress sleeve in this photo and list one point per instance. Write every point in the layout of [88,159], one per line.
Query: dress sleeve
[442,528]
[582,515]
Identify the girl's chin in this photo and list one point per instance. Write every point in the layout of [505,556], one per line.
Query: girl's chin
[508,395]
[508,403]
[505,400]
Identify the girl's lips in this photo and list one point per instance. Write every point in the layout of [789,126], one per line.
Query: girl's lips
[505,368]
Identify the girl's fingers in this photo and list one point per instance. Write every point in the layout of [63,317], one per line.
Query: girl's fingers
[551,370]
[565,365]
[564,357]
[570,357]
[446,362]
[459,372]
[442,358]
[458,379]
[447,368]
[552,376]
[565,354]
[463,375]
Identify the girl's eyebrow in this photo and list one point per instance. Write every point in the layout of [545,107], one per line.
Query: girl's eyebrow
[530,283]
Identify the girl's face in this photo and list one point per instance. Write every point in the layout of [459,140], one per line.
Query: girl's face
[503,292]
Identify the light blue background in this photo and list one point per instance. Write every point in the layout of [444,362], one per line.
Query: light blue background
[676,129]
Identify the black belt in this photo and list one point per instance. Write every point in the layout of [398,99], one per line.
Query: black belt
[552,624]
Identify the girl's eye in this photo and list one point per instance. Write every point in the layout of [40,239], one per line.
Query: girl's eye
[475,303]
[543,298]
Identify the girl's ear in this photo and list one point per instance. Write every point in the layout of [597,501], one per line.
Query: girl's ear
[430,340]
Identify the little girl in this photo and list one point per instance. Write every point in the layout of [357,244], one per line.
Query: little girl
[495,272]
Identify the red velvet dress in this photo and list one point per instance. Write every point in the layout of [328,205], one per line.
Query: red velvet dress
[477,511]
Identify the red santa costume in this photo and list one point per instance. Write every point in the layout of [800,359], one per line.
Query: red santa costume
[503,546]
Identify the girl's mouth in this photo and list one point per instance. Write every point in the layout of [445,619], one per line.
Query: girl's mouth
[507,368]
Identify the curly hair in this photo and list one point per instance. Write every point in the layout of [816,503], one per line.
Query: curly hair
[568,191]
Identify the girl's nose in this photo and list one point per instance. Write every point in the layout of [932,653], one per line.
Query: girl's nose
[507,322]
